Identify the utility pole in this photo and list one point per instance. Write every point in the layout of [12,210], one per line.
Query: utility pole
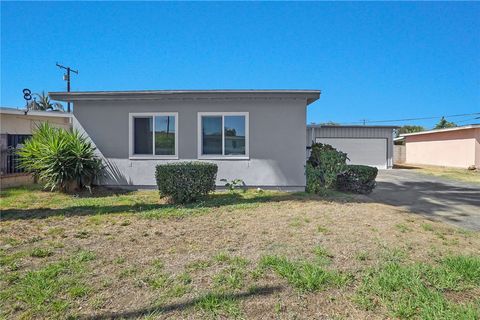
[66,77]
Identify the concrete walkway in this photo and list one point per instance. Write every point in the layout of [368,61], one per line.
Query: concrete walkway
[454,202]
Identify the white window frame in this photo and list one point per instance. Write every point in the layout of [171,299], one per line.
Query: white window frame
[131,116]
[223,156]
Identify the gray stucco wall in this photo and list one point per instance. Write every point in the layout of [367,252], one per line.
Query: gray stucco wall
[277,131]
[354,132]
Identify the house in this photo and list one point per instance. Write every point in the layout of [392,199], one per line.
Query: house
[450,147]
[16,125]
[366,145]
[254,135]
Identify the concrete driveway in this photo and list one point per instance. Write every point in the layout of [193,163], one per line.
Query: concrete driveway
[454,202]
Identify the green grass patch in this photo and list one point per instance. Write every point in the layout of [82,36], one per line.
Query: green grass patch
[232,277]
[427,227]
[169,286]
[223,257]
[362,256]
[402,228]
[11,260]
[34,202]
[417,290]
[198,265]
[40,252]
[303,275]
[219,305]
[50,290]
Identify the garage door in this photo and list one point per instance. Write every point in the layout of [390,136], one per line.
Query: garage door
[371,152]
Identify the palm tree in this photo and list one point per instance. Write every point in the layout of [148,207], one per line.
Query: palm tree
[44,103]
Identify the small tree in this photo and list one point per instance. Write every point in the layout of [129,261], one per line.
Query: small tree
[443,123]
[409,129]
[44,103]
[61,159]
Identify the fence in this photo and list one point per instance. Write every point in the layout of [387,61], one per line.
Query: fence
[399,154]
[9,159]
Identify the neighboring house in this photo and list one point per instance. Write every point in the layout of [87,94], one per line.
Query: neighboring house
[254,135]
[451,147]
[367,145]
[17,125]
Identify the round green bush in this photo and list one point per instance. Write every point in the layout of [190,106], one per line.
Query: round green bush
[184,182]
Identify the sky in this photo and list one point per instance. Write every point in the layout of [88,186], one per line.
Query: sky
[373,61]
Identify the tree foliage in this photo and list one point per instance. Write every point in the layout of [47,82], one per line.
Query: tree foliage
[44,103]
[443,123]
[409,129]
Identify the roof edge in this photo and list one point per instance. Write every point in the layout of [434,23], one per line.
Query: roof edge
[470,126]
[39,113]
[310,95]
[349,126]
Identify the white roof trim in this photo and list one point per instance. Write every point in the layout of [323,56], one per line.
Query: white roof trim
[472,126]
[309,95]
[53,114]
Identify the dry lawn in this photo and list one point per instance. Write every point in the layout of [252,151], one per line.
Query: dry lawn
[253,255]
[456,174]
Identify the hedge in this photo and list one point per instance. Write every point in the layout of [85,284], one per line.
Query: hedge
[357,179]
[323,166]
[184,182]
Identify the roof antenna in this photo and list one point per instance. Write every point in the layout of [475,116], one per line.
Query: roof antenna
[66,77]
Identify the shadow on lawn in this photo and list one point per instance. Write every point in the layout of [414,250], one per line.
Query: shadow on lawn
[215,200]
[261,291]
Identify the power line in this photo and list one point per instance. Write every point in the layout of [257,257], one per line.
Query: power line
[469,119]
[364,121]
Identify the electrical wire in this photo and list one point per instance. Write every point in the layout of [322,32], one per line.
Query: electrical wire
[412,119]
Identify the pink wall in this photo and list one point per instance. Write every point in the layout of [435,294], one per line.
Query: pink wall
[458,148]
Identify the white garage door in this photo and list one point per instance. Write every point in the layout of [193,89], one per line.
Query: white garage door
[371,152]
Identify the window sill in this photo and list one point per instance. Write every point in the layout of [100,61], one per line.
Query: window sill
[223,158]
[153,157]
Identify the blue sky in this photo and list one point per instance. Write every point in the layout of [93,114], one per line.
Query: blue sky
[371,60]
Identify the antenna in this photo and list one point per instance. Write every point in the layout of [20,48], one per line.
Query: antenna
[66,77]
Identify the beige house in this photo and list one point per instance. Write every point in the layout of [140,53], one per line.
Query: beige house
[17,121]
[451,147]
[16,125]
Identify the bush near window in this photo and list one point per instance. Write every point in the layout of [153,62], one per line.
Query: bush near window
[358,179]
[323,166]
[60,159]
[184,182]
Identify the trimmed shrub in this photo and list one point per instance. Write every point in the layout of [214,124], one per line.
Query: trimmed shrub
[357,179]
[184,182]
[315,182]
[60,159]
[323,166]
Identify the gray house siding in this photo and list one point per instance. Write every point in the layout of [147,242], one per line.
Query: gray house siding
[277,135]
[354,132]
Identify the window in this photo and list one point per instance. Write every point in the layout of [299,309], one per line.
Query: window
[153,135]
[223,135]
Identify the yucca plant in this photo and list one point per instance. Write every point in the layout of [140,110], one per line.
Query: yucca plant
[61,159]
